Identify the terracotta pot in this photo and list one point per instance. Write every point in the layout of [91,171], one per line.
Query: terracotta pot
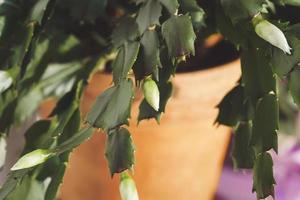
[179,159]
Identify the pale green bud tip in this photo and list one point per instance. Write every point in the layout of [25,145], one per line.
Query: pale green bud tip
[292,2]
[32,159]
[127,188]
[273,35]
[151,93]
[5,80]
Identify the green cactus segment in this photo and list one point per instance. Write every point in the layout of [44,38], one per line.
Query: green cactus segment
[112,107]
[243,154]
[263,180]
[119,151]
[148,15]
[125,59]
[179,35]
[264,135]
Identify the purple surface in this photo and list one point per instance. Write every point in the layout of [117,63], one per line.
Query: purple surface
[237,185]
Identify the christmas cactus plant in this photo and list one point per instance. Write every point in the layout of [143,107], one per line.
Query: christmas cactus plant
[51,48]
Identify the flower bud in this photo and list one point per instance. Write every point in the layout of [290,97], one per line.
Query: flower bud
[273,35]
[292,2]
[151,93]
[32,159]
[127,188]
[5,80]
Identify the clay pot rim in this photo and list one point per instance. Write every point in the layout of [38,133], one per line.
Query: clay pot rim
[211,69]
[200,71]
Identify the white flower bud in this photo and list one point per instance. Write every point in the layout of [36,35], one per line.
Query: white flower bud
[127,188]
[273,35]
[32,159]
[151,93]
[5,81]
[292,2]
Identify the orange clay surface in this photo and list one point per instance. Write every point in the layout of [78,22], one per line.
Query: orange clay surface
[179,159]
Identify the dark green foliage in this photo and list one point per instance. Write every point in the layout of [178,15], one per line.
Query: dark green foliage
[239,10]
[88,10]
[294,85]
[50,48]
[112,107]
[125,60]
[231,107]
[147,112]
[179,36]
[37,136]
[243,153]
[125,30]
[77,138]
[148,60]
[264,135]
[119,150]
[170,5]
[282,63]
[148,15]
[196,12]
[263,180]
[257,75]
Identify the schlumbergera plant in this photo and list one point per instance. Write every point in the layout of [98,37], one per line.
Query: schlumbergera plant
[51,48]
